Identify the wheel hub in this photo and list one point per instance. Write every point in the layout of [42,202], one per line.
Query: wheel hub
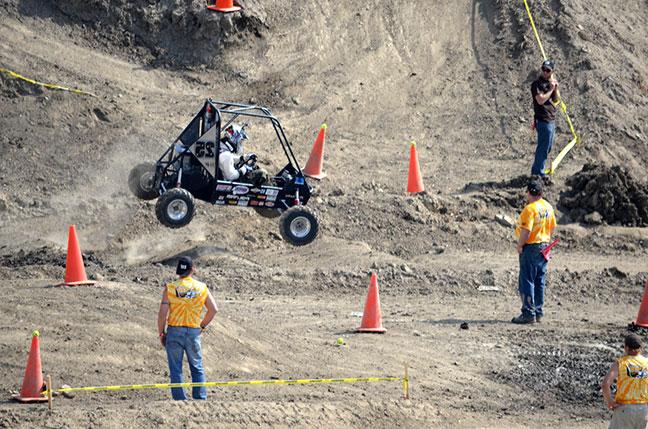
[300,227]
[146,181]
[177,210]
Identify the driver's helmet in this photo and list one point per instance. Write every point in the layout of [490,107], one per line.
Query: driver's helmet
[234,135]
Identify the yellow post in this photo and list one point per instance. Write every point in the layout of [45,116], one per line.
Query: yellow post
[406,384]
[49,392]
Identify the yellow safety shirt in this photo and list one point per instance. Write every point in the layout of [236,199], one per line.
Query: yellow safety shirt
[632,382]
[539,219]
[186,300]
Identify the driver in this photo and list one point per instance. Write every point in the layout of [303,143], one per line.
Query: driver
[233,164]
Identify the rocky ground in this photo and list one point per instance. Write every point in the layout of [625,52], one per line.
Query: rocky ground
[453,76]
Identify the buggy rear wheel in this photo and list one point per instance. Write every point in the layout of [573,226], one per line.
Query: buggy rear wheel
[141,181]
[298,225]
[175,208]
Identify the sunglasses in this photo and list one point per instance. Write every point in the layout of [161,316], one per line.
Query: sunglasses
[546,70]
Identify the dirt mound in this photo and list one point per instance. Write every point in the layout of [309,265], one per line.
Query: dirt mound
[605,194]
[45,255]
[178,32]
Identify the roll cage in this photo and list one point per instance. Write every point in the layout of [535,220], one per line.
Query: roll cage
[203,134]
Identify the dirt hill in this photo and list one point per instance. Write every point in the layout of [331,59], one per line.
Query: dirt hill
[452,75]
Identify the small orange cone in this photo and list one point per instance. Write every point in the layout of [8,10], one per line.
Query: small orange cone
[74,270]
[314,165]
[371,317]
[224,6]
[414,181]
[642,317]
[33,382]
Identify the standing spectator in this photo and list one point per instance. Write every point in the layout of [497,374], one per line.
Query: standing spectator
[180,313]
[546,96]
[630,404]
[534,229]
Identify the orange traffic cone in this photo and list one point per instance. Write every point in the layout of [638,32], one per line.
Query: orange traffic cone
[33,382]
[414,181]
[224,6]
[371,317]
[74,270]
[314,165]
[642,317]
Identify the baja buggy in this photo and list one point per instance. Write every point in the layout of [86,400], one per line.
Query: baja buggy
[180,177]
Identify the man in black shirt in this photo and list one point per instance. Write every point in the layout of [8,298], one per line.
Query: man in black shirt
[546,96]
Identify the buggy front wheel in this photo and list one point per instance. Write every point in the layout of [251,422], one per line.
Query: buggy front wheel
[175,208]
[298,225]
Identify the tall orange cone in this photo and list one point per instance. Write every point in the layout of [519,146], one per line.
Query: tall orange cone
[414,181]
[314,165]
[642,317]
[224,6]
[74,270]
[33,382]
[372,317]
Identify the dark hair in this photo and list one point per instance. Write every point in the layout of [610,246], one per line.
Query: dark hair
[534,188]
[633,341]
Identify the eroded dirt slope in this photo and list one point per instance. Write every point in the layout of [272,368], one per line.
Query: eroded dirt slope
[454,76]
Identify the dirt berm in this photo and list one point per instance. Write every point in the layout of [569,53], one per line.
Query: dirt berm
[454,76]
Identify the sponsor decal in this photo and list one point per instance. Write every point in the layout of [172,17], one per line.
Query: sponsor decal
[269,204]
[221,197]
[256,191]
[243,202]
[220,203]
[272,198]
[271,192]
[240,190]
[254,203]
[223,187]
[231,202]
[232,197]
[261,197]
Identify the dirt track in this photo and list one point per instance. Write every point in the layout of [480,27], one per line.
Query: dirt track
[453,76]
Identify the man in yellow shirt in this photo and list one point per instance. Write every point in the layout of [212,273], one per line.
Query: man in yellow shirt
[180,313]
[630,403]
[534,228]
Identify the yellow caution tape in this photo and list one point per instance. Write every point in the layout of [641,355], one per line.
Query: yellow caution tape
[535,31]
[561,155]
[563,106]
[226,383]
[45,85]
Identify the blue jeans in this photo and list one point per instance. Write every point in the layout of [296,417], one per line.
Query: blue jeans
[531,283]
[546,134]
[179,341]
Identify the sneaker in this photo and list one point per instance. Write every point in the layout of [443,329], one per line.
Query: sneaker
[539,318]
[523,320]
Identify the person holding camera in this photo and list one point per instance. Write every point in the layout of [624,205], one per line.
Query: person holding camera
[546,96]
